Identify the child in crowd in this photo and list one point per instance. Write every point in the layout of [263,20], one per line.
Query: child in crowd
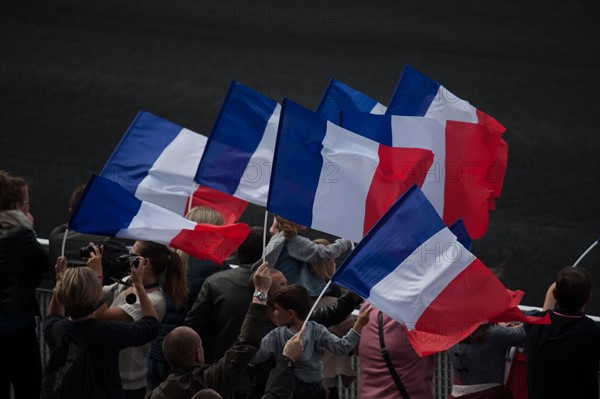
[292,254]
[291,307]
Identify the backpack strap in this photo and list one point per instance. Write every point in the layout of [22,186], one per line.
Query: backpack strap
[388,361]
[83,340]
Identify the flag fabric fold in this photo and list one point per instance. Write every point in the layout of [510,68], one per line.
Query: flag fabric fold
[418,95]
[334,180]
[156,160]
[108,209]
[340,97]
[239,152]
[415,270]
[456,184]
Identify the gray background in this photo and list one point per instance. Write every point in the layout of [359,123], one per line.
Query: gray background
[74,74]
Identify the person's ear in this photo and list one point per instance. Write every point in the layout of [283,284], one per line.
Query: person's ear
[200,355]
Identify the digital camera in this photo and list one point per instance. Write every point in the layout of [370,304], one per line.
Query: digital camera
[125,261]
[87,251]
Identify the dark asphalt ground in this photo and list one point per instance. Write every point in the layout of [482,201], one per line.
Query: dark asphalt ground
[73,74]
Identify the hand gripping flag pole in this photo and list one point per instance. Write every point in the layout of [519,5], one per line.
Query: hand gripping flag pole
[586,252]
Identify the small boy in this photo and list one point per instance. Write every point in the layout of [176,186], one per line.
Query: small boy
[292,304]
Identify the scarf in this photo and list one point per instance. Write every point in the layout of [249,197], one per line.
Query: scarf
[12,218]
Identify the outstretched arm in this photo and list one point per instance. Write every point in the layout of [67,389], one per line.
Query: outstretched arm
[54,308]
[235,361]
[550,299]
[303,249]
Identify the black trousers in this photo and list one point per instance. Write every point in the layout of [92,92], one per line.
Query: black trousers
[22,364]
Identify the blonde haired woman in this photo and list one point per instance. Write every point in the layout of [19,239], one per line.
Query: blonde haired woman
[78,294]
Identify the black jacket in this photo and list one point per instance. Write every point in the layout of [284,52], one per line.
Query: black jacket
[22,261]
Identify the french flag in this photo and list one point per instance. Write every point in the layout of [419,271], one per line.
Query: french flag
[156,160]
[418,95]
[455,184]
[108,209]
[340,97]
[239,152]
[416,271]
[334,180]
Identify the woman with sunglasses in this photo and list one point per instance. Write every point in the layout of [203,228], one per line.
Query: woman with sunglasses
[165,276]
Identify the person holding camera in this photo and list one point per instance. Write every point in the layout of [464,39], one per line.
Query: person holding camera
[165,277]
[22,262]
[78,293]
[77,250]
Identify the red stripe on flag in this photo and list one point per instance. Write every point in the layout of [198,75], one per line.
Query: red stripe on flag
[230,207]
[470,150]
[211,242]
[474,296]
[497,170]
[513,313]
[398,169]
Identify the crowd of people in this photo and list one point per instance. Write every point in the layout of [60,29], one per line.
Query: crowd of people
[157,323]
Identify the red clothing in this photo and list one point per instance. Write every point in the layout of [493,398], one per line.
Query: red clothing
[416,373]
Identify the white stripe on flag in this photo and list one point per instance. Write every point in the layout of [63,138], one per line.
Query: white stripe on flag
[448,107]
[418,132]
[349,164]
[378,109]
[169,181]
[149,216]
[421,277]
[254,185]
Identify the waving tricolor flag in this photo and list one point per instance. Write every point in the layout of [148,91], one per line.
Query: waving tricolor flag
[334,180]
[455,184]
[239,152]
[418,95]
[415,270]
[108,209]
[156,160]
[340,97]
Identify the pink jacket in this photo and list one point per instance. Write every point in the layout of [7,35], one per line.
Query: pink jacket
[416,373]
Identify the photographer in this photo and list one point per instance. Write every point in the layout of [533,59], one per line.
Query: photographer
[77,249]
[78,292]
[165,276]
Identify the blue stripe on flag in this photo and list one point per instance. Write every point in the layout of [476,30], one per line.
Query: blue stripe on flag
[141,145]
[375,127]
[459,230]
[414,93]
[338,97]
[104,208]
[297,163]
[234,138]
[404,227]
